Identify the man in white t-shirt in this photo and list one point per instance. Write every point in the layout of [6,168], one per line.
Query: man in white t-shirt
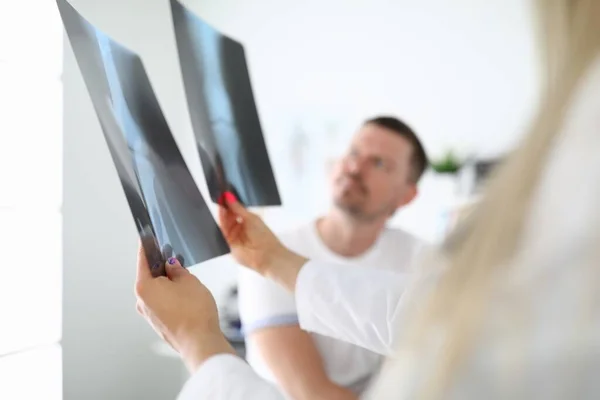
[377,176]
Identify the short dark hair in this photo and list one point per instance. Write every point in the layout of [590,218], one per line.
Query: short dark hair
[419,161]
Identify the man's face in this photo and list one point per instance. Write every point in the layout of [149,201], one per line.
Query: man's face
[373,179]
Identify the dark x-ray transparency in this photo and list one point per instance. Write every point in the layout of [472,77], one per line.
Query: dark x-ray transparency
[170,213]
[224,116]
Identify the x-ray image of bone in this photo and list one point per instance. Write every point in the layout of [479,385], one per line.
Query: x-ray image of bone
[224,115]
[132,122]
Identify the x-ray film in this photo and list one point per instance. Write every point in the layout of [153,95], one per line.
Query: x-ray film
[170,213]
[224,117]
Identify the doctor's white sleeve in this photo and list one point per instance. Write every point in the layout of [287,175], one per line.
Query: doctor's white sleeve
[227,377]
[361,306]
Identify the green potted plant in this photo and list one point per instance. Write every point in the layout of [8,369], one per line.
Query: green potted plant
[448,164]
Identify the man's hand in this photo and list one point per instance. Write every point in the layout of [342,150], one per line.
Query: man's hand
[255,246]
[181,310]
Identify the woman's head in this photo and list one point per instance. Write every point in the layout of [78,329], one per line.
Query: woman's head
[569,43]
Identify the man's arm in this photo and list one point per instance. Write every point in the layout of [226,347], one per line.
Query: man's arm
[270,322]
[296,364]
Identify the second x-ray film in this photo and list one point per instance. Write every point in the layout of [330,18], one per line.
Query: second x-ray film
[224,116]
[170,213]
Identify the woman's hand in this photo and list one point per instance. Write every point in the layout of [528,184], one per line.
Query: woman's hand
[255,246]
[252,243]
[181,310]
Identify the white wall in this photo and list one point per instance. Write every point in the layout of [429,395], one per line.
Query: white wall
[107,346]
[461,72]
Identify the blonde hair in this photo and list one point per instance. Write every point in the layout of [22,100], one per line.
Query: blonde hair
[487,242]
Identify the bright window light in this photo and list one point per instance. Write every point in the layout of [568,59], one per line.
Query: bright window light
[31,33]
[35,374]
[31,128]
[31,139]
[31,287]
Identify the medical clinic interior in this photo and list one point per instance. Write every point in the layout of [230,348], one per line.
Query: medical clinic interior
[356,134]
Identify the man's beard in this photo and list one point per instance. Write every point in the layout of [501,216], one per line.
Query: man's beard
[357,211]
[356,208]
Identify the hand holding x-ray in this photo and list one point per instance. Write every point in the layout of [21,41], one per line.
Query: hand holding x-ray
[255,246]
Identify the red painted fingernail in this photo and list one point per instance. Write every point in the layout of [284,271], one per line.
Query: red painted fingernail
[221,200]
[229,197]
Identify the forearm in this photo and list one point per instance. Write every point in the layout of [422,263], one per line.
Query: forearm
[196,350]
[284,267]
[296,363]
[316,389]
[330,391]
[327,303]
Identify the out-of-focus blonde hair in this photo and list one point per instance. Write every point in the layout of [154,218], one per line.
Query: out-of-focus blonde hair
[487,242]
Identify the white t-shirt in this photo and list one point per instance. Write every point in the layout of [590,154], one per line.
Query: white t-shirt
[263,303]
